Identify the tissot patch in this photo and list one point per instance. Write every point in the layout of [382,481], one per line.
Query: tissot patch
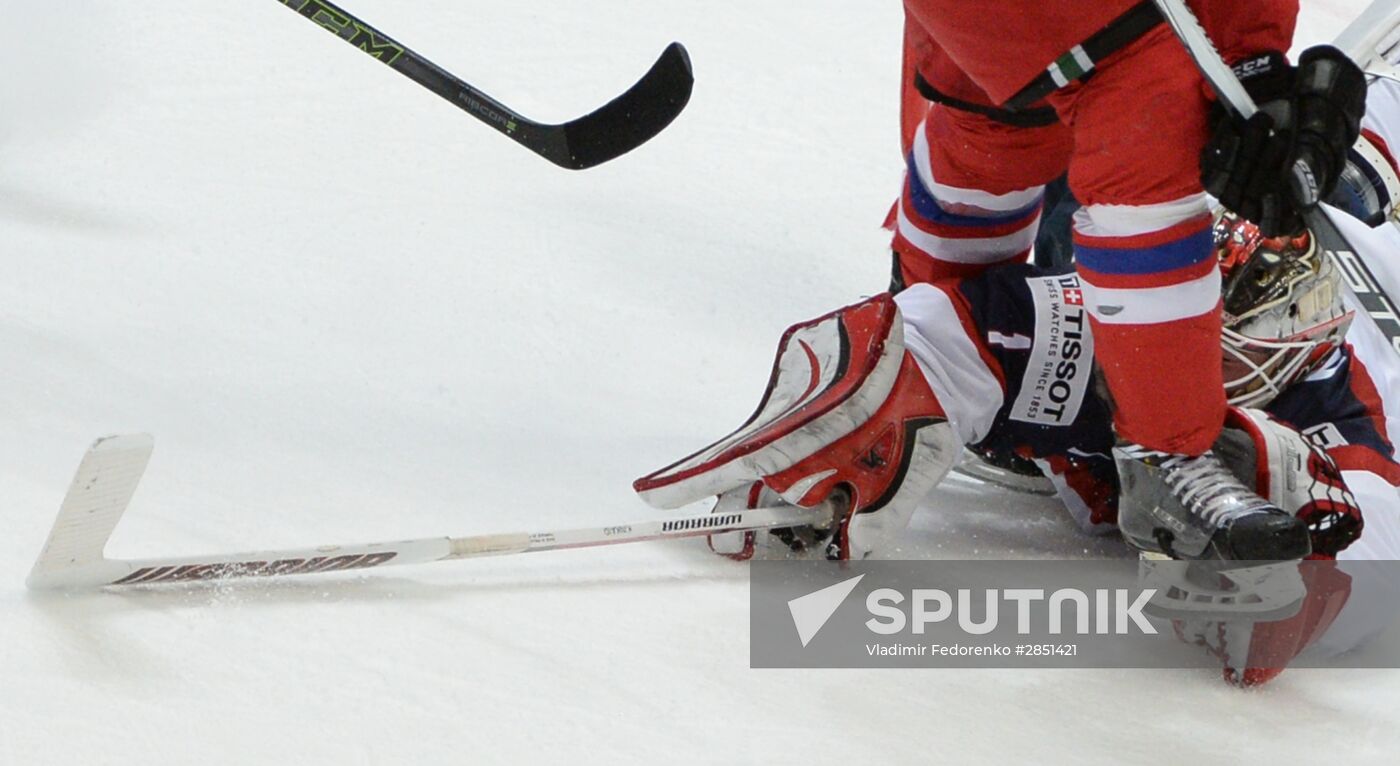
[1061,357]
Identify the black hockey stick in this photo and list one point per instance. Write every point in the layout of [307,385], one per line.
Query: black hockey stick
[620,126]
[1227,86]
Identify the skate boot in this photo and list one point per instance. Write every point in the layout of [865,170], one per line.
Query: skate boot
[1194,508]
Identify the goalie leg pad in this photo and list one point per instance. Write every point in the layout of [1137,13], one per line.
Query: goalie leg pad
[882,470]
[831,374]
[870,482]
[848,419]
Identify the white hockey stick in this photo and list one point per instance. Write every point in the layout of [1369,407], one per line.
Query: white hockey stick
[112,467]
[1362,283]
[1372,36]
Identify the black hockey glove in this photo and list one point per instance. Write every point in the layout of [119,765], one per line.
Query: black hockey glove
[1309,113]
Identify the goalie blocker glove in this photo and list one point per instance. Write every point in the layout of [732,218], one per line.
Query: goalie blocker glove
[1309,114]
[847,423]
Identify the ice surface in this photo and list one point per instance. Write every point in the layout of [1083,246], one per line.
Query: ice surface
[349,312]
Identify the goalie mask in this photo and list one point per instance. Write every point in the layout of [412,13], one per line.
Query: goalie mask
[1284,313]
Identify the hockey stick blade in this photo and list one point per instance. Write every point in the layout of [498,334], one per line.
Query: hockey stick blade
[106,480]
[616,128]
[101,490]
[633,118]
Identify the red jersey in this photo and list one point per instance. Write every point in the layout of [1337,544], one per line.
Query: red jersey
[1001,45]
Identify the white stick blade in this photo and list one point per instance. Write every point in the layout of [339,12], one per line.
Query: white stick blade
[96,500]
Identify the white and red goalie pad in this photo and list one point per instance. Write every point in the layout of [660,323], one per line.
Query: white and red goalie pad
[831,375]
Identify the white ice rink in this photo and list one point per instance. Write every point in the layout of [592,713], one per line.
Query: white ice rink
[350,312]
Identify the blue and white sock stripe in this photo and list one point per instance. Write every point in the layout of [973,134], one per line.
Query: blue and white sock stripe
[1137,220]
[1153,305]
[964,226]
[1123,257]
[959,199]
[1148,264]
[930,208]
[968,250]
[1127,246]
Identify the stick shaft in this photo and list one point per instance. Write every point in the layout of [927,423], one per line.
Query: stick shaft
[1222,79]
[409,63]
[339,558]
[1361,282]
[616,128]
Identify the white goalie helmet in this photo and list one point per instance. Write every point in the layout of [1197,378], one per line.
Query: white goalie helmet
[1284,313]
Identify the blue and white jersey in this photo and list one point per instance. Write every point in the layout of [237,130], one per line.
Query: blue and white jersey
[1032,390]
